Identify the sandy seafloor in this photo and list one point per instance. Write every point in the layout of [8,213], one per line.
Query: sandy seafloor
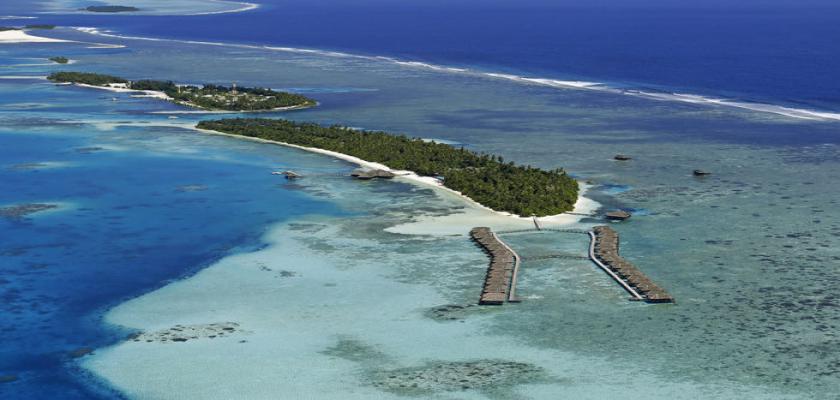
[341,300]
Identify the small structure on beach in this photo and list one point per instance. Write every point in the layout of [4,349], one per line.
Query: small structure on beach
[622,157]
[365,174]
[618,215]
[700,172]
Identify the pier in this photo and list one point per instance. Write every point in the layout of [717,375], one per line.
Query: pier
[500,280]
[603,250]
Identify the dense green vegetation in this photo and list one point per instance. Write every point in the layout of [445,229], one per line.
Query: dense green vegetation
[8,28]
[485,178]
[110,9]
[216,97]
[86,78]
[212,97]
[60,60]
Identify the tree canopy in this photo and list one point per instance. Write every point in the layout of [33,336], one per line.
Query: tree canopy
[211,97]
[487,179]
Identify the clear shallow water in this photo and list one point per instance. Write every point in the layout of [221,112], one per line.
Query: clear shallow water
[134,206]
[748,251]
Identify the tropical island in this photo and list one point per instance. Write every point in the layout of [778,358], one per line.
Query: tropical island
[110,9]
[206,97]
[485,178]
[59,60]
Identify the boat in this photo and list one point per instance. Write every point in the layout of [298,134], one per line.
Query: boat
[618,215]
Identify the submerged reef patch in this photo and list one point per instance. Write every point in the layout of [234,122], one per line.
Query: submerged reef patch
[88,150]
[22,210]
[27,166]
[457,375]
[354,350]
[191,188]
[450,312]
[183,333]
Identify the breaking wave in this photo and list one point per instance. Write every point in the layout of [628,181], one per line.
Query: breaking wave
[797,113]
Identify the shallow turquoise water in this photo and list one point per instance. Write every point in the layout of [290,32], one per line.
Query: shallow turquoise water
[749,252]
[134,210]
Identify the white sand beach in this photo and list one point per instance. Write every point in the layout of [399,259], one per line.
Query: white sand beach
[143,93]
[20,36]
[582,205]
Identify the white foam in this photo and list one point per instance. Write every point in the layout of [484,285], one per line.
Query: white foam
[243,7]
[418,64]
[3,17]
[760,107]
[545,82]
[796,113]
[442,141]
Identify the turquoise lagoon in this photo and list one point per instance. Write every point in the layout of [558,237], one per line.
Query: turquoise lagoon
[327,287]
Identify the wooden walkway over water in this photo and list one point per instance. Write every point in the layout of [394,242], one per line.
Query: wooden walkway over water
[500,280]
[604,252]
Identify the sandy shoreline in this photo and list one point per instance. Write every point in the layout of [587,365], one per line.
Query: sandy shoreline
[163,96]
[20,36]
[582,205]
[141,93]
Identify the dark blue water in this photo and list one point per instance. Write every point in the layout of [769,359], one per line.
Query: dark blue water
[773,51]
[129,222]
[127,228]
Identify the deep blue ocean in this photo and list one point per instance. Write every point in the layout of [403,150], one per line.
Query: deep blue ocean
[775,51]
[133,218]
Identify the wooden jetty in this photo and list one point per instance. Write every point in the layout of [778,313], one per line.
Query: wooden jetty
[500,280]
[537,223]
[603,250]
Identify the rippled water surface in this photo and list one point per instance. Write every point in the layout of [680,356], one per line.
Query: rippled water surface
[325,300]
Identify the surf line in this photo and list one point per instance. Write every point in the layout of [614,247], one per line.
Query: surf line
[790,112]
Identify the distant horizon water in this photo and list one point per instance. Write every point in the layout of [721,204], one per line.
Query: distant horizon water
[768,57]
